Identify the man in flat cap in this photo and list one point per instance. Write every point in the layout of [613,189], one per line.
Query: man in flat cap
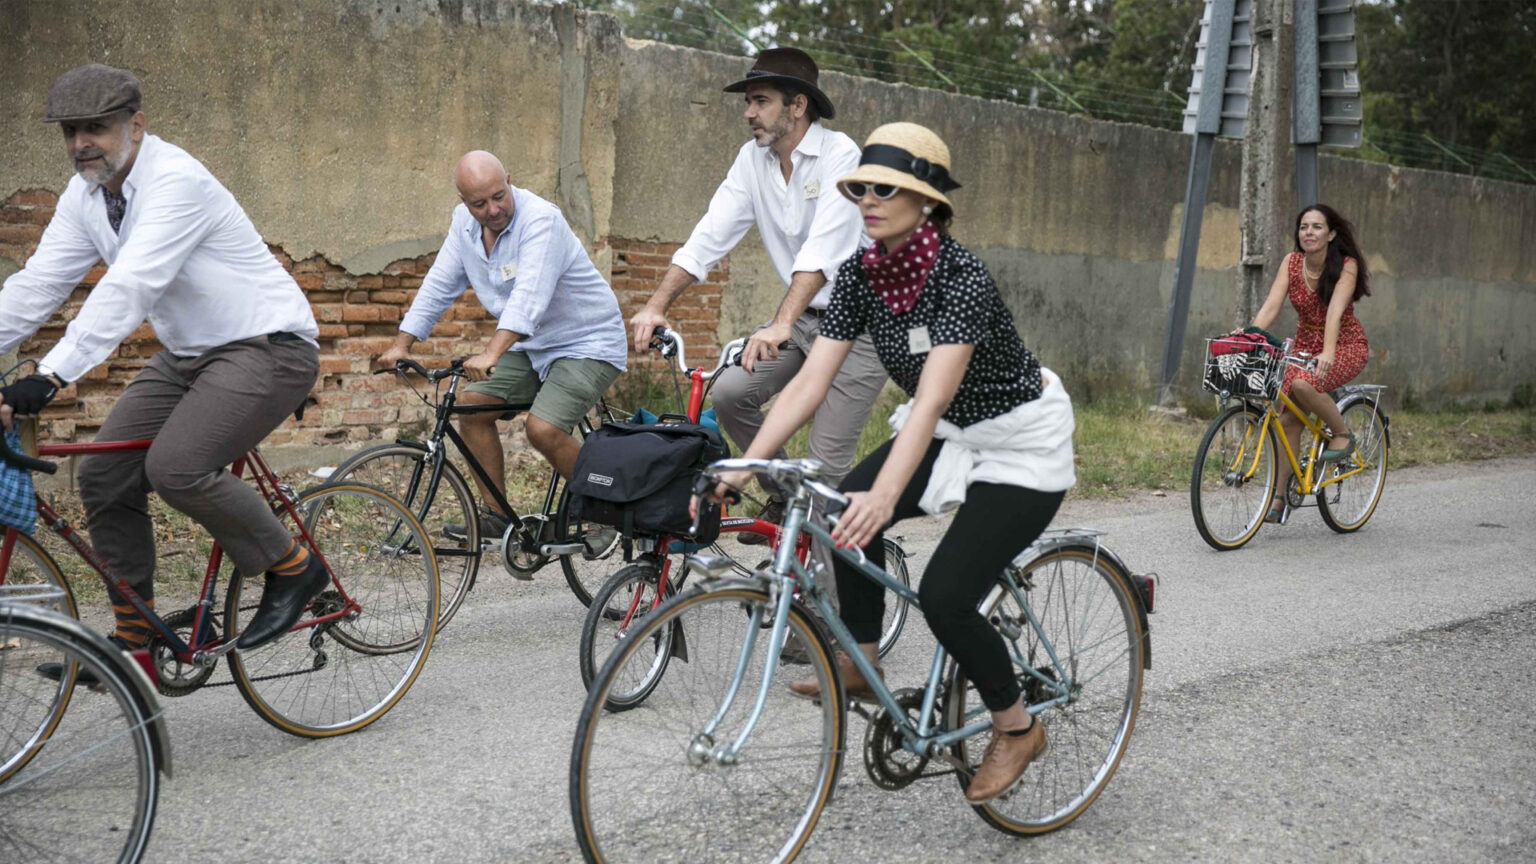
[240,351]
[785,182]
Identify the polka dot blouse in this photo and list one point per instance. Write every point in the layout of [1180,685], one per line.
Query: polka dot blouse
[959,305]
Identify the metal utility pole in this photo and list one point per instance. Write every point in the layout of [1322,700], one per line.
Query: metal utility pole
[1217,106]
[1263,211]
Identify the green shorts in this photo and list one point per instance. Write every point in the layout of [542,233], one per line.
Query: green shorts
[573,386]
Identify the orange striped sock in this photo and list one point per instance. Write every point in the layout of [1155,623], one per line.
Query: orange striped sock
[293,561]
[131,626]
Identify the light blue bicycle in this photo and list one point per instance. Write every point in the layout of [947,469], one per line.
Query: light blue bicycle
[721,763]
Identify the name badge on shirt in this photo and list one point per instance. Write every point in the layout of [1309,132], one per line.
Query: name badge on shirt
[508,271]
[918,341]
[812,189]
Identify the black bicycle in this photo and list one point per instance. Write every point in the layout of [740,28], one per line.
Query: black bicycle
[433,487]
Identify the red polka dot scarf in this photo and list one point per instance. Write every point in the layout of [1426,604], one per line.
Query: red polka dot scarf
[898,277]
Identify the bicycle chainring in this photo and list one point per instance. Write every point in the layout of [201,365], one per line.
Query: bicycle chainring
[888,765]
[519,553]
[173,677]
[1293,495]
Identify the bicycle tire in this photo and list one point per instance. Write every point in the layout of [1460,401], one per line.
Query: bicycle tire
[1227,513]
[621,605]
[584,573]
[1348,504]
[635,790]
[31,565]
[108,745]
[1066,586]
[402,469]
[895,618]
[385,643]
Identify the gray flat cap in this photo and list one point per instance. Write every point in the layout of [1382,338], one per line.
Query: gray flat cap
[90,91]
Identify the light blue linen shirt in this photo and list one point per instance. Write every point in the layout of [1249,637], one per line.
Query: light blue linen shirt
[536,281]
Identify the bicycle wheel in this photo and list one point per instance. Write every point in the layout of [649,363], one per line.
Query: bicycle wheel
[26,723]
[92,795]
[646,784]
[338,676]
[620,606]
[585,571]
[405,471]
[1087,616]
[1347,505]
[895,610]
[1233,478]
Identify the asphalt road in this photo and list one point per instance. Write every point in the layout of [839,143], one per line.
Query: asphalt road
[1314,697]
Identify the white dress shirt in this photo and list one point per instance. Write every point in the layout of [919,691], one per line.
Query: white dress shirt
[186,257]
[536,281]
[805,223]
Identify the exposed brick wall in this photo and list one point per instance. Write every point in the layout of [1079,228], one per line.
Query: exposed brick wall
[638,266]
[358,318]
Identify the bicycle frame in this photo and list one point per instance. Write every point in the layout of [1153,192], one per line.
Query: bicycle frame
[1304,479]
[204,644]
[789,571]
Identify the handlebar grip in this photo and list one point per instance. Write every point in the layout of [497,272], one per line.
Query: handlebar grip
[26,463]
[412,365]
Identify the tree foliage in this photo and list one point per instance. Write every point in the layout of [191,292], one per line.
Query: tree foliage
[1456,69]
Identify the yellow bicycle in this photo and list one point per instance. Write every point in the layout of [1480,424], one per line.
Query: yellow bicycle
[1234,475]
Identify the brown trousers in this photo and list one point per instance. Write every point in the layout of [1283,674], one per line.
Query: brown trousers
[203,413]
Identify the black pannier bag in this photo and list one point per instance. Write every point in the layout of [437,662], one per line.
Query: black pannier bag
[639,477]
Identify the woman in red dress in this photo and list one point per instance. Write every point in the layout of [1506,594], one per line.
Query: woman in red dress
[1323,277]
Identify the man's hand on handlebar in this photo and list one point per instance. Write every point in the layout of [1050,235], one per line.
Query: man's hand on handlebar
[726,490]
[478,367]
[764,344]
[643,324]
[389,358]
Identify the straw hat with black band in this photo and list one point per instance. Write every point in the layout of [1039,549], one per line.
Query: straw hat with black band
[787,66]
[907,156]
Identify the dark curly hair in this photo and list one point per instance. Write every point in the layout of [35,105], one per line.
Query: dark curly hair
[1340,247]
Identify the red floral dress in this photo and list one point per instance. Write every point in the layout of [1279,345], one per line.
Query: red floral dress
[1351,350]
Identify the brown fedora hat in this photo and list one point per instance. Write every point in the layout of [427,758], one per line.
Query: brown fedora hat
[787,64]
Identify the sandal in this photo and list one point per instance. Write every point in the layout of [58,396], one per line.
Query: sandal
[1276,514]
[1331,455]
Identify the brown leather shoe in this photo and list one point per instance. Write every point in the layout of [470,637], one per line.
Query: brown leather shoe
[1004,762]
[853,682]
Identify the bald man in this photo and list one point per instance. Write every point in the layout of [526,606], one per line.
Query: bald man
[559,340]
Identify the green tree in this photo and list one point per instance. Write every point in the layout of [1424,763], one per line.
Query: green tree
[1458,70]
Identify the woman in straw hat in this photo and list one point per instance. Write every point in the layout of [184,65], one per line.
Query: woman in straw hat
[987,430]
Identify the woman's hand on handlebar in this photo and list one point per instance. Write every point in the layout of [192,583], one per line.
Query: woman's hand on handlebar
[7,416]
[866,514]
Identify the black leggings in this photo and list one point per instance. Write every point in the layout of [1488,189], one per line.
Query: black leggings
[995,523]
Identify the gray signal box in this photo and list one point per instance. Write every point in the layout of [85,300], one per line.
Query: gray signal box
[1226,43]
[1327,102]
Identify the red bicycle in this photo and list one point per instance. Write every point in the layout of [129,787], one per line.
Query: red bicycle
[353,655]
[662,567]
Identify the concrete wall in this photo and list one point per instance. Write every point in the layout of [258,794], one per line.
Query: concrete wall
[336,124]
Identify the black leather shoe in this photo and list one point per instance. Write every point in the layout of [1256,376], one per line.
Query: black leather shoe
[84,677]
[283,602]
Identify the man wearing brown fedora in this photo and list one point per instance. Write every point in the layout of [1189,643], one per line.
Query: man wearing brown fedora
[240,351]
[785,182]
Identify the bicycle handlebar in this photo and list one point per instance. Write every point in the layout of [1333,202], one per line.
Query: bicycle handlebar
[23,461]
[669,343]
[405,364]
